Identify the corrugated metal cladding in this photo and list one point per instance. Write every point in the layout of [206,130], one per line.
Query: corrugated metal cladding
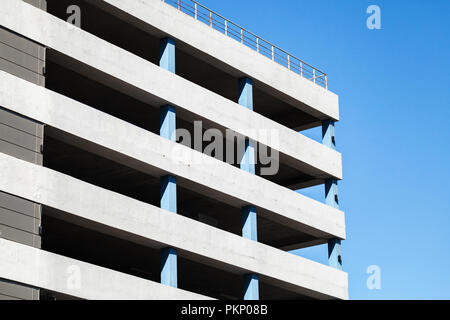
[20,220]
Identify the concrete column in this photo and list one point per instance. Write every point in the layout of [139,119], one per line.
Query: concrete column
[331,197]
[249,225]
[169,273]
[167,123]
[167,54]
[246,93]
[251,285]
[169,193]
[249,218]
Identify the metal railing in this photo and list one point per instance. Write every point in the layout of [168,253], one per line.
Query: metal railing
[231,29]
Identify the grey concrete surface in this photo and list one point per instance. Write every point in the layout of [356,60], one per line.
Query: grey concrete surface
[227,53]
[38,268]
[129,145]
[149,225]
[149,83]
[123,143]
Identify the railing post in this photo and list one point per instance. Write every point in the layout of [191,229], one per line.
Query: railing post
[257,45]
[314,75]
[195,6]
[226,27]
[210,19]
[242,35]
[301,69]
[179,4]
[326,82]
[273,53]
[289,62]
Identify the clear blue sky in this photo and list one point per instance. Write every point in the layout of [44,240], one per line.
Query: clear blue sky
[394,132]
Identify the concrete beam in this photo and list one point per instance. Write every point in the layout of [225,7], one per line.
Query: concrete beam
[134,76]
[226,53]
[127,144]
[41,269]
[130,219]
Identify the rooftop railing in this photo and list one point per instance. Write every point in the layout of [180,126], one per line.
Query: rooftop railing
[231,29]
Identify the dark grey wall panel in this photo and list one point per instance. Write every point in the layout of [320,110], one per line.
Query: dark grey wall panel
[20,153]
[22,59]
[21,72]
[21,138]
[19,221]
[42,4]
[23,237]
[17,204]
[21,123]
[20,43]
[7,298]
[18,291]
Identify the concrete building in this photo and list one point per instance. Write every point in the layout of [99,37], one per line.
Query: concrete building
[102,194]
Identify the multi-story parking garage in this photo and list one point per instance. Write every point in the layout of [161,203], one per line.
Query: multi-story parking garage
[152,150]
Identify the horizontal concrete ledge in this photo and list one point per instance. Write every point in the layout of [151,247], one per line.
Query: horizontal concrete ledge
[125,143]
[226,53]
[147,82]
[41,269]
[136,221]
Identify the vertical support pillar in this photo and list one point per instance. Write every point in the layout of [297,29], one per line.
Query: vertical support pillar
[249,224]
[251,285]
[331,196]
[169,193]
[249,217]
[167,123]
[169,273]
[167,54]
